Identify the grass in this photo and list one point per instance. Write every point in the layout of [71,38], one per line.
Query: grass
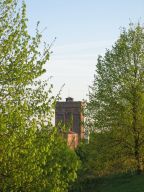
[117,183]
[121,183]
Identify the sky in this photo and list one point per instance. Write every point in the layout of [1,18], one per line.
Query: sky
[83,29]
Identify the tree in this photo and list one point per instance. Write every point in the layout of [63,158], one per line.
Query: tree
[117,95]
[32,154]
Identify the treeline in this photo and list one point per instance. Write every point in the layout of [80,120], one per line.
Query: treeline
[115,111]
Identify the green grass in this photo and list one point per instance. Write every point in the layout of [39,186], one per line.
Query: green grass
[118,183]
[121,183]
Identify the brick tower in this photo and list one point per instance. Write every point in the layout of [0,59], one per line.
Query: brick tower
[71,110]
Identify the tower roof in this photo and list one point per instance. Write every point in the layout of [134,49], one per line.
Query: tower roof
[69,99]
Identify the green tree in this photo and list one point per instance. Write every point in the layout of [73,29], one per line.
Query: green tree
[117,95]
[32,153]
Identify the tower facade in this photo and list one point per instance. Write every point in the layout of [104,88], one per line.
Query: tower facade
[69,113]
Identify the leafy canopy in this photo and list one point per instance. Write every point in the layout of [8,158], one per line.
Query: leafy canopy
[33,156]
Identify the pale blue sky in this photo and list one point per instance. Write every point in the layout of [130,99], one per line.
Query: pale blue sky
[84,29]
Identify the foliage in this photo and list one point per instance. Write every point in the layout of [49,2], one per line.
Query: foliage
[117,95]
[33,156]
[99,158]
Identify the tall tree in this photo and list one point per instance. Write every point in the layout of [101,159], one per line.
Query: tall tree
[117,94]
[32,154]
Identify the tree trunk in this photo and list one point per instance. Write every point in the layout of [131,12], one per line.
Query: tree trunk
[137,158]
[135,130]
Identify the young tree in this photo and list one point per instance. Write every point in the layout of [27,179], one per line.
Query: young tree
[117,95]
[32,154]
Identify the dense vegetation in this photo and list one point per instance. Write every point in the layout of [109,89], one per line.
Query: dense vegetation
[32,153]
